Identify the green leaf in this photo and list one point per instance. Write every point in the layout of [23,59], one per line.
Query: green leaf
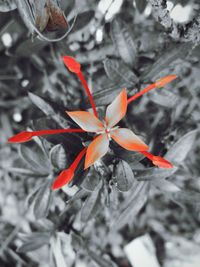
[122,39]
[179,151]
[7,5]
[92,204]
[34,242]
[58,157]
[123,175]
[42,200]
[119,73]
[154,173]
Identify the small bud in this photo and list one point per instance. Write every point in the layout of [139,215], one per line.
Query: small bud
[165,80]
[21,137]
[72,64]
[64,178]
[161,162]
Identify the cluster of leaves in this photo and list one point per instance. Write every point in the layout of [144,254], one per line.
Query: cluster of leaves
[123,196]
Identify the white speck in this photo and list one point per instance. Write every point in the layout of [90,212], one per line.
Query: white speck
[111,9]
[181,14]
[147,10]
[24,83]
[99,35]
[104,5]
[17,117]
[6,39]
[170,5]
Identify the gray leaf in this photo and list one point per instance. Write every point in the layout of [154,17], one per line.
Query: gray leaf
[35,158]
[100,260]
[178,152]
[123,175]
[42,201]
[34,242]
[141,5]
[92,204]
[58,157]
[121,37]
[154,173]
[118,72]
[7,5]
[131,207]
[166,59]
[165,185]
[48,109]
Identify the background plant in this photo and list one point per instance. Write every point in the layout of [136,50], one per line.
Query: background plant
[97,217]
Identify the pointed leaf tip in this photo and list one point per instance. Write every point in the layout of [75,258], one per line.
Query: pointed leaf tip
[21,137]
[161,162]
[165,80]
[64,178]
[72,64]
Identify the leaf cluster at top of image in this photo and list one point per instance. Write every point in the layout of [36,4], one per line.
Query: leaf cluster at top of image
[105,130]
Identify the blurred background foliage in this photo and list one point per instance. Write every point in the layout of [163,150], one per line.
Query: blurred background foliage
[119,44]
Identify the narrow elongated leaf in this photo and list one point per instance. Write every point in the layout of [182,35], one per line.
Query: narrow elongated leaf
[121,37]
[35,158]
[57,252]
[166,59]
[43,200]
[165,98]
[165,185]
[179,151]
[123,175]
[7,5]
[34,241]
[58,157]
[154,173]
[131,208]
[187,196]
[118,72]
[49,109]
[92,204]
